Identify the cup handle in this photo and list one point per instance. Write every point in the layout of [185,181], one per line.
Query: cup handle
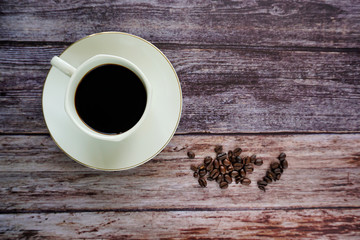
[63,66]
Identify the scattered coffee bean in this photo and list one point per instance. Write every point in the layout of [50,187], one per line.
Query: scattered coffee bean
[224,185]
[219,179]
[238,179]
[258,162]
[215,173]
[196,174]
[218,148]
[202,172]
[193,167]
[237,151]
[222,170]
[228,179]
[274,165]
[277,171]
[234,174]
[230,154]
[221,156]
[282,156]
[210,167]
[284,164]
[238,159]
[237,166]
[253,158]
[278,176]
[249,168]
[207,160]
[262,182]
[246,181]
[202,182]
[242,173]
[261,188]
[267,179]
[216,164]
[230,168]
[270,175]
[226,162]
[191,154]
[210,179]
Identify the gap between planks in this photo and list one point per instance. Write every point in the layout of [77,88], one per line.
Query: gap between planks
[182,210]
[165,45]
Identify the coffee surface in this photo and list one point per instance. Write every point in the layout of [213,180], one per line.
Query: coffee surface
[110,99]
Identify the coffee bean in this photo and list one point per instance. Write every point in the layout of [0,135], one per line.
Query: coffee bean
[216,164]
[221,156]
[202,182]
[202,172]
[222,170]
[274,165]
[261,188]
[238,179]
[193,167]
[196,174]
[230,154]
[267,179]
[278,176]
[207,160]
[247,160]
[253,158]
[214,173]
[277,171]
[228,179]
[210,167]
[282,155]
[246,181]
[191,154]
[234,174]
[238,159]
[226,162]
[237,166]
[258,162]
[237,151]
[242,173]
[224,185]
[218,148]
[261,182]
[210,179]
[270,175]
[219,179]
[230,168]
[284,164]
[249,168]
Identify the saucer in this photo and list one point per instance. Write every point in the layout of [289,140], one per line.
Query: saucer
[158,127]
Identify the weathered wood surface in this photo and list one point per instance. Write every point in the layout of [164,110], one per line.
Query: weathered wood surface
[252,23]
[258,74]
[225,90]
[324,173]
[262,224]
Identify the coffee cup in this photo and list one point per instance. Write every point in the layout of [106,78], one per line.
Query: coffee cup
[103,94]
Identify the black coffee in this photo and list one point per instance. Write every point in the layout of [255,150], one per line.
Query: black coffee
[110,99]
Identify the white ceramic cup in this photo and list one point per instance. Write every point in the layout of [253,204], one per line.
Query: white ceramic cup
[76,75]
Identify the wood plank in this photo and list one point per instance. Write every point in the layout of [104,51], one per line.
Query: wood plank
[324,171]
[225,90]
[293,224]
[254,23]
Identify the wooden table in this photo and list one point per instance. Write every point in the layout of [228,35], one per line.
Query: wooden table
[267,76]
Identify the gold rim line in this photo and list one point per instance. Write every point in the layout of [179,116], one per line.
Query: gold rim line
[172,134]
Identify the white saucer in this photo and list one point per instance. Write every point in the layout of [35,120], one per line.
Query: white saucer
[152,136]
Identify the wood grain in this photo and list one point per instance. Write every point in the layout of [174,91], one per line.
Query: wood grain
[294,224]
[324,173]
[252,23]
[225,90]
